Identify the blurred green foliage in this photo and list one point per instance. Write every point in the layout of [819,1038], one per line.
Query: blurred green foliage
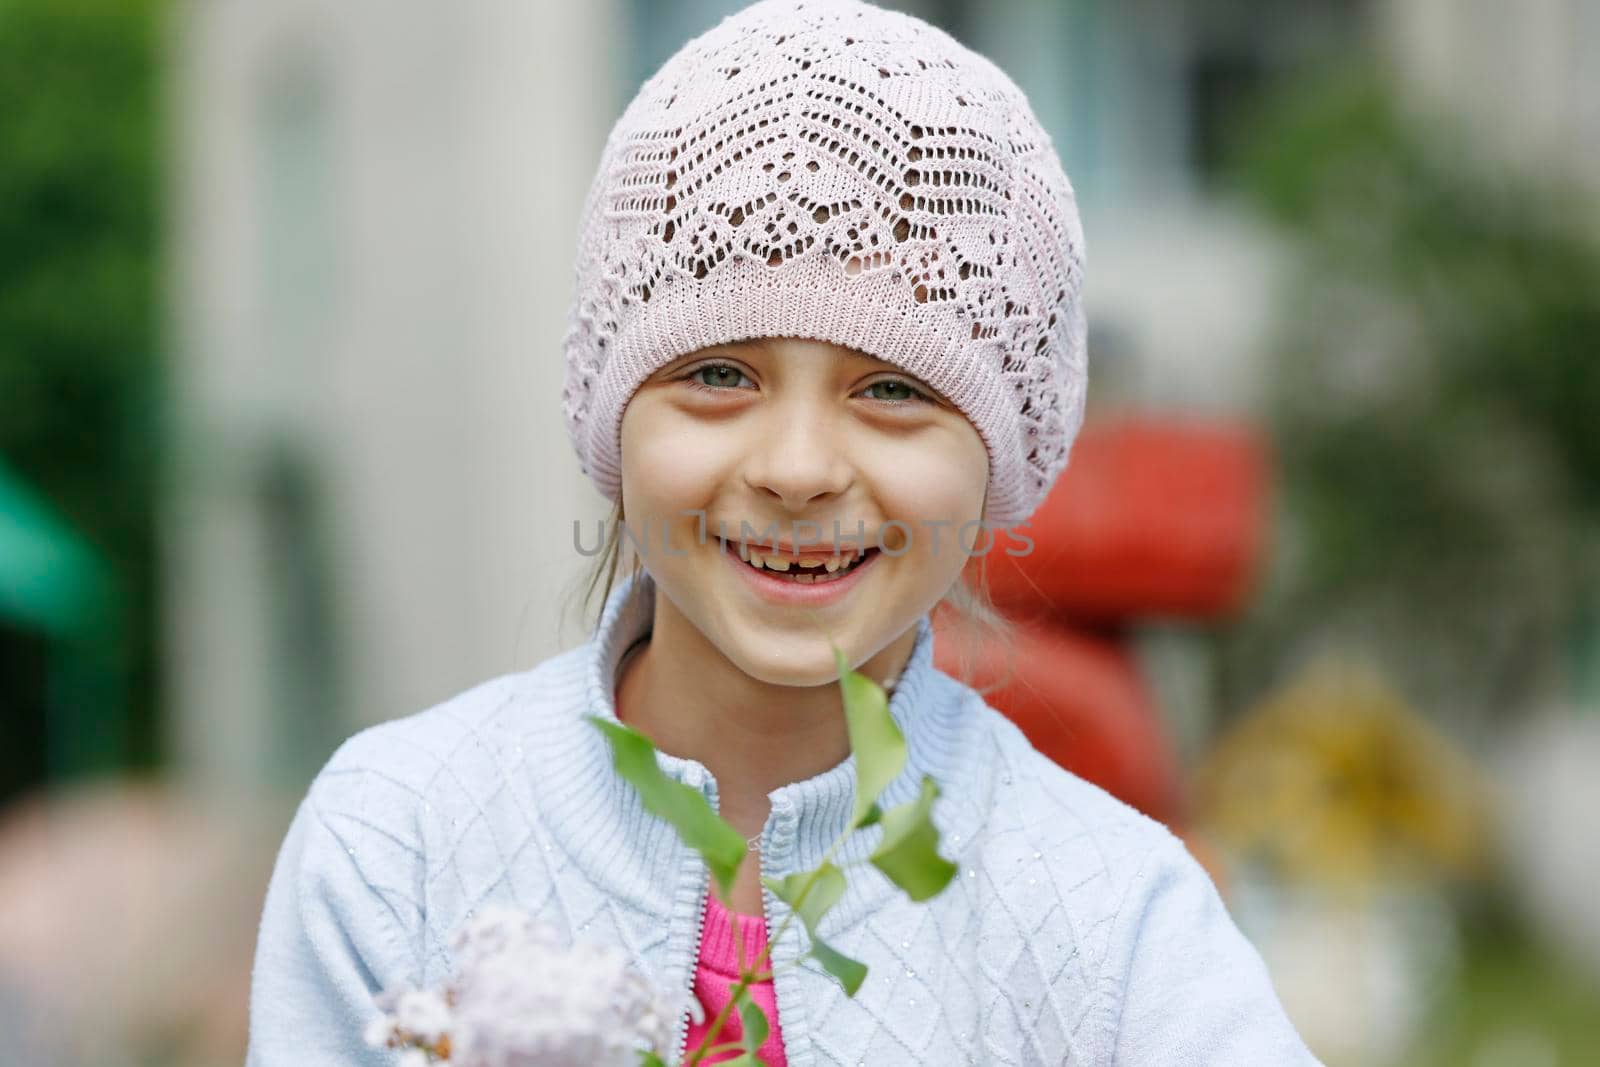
[80,377]
[1435,402]
[1513,1000]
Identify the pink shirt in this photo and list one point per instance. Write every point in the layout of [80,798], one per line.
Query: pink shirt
[718,971]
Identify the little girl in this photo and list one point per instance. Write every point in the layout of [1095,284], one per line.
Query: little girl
[828,334]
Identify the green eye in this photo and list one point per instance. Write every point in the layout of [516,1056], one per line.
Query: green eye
[898,391]
[718,375]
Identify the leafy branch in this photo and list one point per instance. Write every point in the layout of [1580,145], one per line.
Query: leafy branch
[907,853]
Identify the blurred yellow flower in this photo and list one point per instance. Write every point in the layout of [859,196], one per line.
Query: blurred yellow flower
[1336,779]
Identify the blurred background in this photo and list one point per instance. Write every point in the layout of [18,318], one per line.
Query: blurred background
[282,286]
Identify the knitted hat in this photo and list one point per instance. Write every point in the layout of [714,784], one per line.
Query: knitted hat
[826,169]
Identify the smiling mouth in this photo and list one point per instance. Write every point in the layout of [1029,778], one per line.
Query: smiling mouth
[803,569]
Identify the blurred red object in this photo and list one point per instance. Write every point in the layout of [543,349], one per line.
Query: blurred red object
[1152,519]
[1079,698]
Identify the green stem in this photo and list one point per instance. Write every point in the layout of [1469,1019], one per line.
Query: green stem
[753,973]
[705,1048]
[734,993]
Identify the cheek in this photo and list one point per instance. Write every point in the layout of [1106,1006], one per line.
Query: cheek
[939,476]
[933,483]
[667,463]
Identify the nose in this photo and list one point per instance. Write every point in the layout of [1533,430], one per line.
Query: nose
[799,456]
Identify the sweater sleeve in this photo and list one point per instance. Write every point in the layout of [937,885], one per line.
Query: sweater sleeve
[1190,987]
[337,928]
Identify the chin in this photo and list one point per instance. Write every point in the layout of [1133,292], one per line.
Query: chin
[796,666]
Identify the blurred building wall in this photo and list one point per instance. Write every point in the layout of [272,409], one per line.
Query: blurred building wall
[375,211]
[1523,75]
[1136,95]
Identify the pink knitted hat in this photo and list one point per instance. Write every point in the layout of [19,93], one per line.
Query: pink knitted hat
[826,169]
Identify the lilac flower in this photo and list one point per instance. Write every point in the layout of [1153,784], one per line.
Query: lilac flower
[523,998]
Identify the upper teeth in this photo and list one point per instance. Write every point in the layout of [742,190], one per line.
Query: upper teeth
[772,561]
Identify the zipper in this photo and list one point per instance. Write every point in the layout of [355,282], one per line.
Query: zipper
[768,899]
[699,930]
[699,936]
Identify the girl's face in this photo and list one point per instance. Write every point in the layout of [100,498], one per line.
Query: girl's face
[778,439]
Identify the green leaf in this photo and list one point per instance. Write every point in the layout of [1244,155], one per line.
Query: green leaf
[873,814]
[811,894]
[909,851]
[875,738]
[686,809]
[851,973]
[755,1026]
[648,1058]
[755,1030]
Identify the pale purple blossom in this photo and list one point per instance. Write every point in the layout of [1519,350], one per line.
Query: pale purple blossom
[522,997]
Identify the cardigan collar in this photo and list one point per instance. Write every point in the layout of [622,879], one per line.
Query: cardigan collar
[598,812]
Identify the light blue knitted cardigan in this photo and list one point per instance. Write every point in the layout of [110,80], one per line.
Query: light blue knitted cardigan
[1077,931]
